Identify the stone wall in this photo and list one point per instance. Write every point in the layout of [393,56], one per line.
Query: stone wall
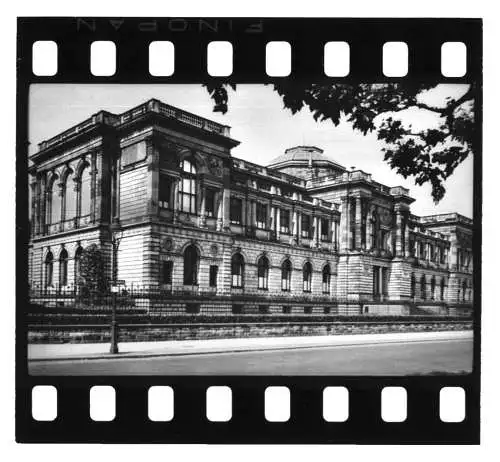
[138,333]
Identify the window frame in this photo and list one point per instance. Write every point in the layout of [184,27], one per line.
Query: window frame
[261,215]
[307,271]
[167,270]
[263,273]
[286,276]
[237,278]
[285,229]
[235,206]
[162,202]
[63,268]
[189,177]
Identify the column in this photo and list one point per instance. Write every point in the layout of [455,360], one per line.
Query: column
[60,192]
[202,214]
[42,204]
[244,207]
[333,231]
[358,223]
[272,218]
[249,208]
[176,199]
[220,211]
[295,224]
[33,187]
[344,225]
[254,214]
[369,230]
[299,226]
[399,235]
[278,222]
[315,231]
[93,187]
[407,237]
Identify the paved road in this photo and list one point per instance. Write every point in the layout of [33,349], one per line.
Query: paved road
[426,357]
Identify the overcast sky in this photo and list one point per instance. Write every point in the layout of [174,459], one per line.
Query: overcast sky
[258,121]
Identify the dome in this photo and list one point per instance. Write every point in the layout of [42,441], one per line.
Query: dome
[301,153]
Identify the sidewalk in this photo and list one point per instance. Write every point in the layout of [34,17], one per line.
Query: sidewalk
[192,347]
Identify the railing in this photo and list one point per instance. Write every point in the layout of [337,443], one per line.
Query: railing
[445,217]
[138,296]
[264,171]
[107,118]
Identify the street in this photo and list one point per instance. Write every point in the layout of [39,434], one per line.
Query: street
[433,356]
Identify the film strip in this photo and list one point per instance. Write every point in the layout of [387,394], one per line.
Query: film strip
[247,422]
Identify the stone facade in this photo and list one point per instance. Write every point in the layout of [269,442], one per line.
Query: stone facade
[303,234]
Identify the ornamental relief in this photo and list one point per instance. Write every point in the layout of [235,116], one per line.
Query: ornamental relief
[215,166]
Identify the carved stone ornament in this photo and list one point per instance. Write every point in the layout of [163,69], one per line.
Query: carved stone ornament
[214,250]
[168,244]
[215,166]
[385,217]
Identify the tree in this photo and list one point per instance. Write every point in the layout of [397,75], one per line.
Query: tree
[430,155]
[93,279]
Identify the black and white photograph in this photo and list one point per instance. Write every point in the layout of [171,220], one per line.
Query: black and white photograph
[251,229]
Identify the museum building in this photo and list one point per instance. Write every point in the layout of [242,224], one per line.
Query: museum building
[157,190]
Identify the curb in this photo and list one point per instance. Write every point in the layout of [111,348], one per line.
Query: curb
[138,355]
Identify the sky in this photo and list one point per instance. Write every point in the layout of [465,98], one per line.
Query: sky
[260,122]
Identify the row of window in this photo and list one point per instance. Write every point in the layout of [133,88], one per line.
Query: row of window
[69,200]
[191,266]
[187,203]
[423,288]
[435,254]
[63,267]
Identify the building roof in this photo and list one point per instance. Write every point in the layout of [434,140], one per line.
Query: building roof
[303,154]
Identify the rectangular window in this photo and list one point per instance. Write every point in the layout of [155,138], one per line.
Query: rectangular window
[305,223]
[261,218]
[213,275]
[385,281]
[284,221]
[442,256]
[187,195]
[325,223]
[235,210]
[376,280]
[166,274]
[210,202]
[165,192]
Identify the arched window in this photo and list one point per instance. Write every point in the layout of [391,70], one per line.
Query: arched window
[433,287]
[63,268]
[326,279]
[442,288]
[423,288]
[412,286]
[85,200]
[464,290]
[191,261]
[307,277]
[78,258]
[286,276]
[237,270]
[69,198]
[49,269]
[55,202]
[263,273]
[187,187]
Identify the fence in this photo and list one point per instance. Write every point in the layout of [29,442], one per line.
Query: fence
[210,301]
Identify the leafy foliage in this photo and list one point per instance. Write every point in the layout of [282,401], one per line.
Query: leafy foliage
[429,155]
[93,279]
